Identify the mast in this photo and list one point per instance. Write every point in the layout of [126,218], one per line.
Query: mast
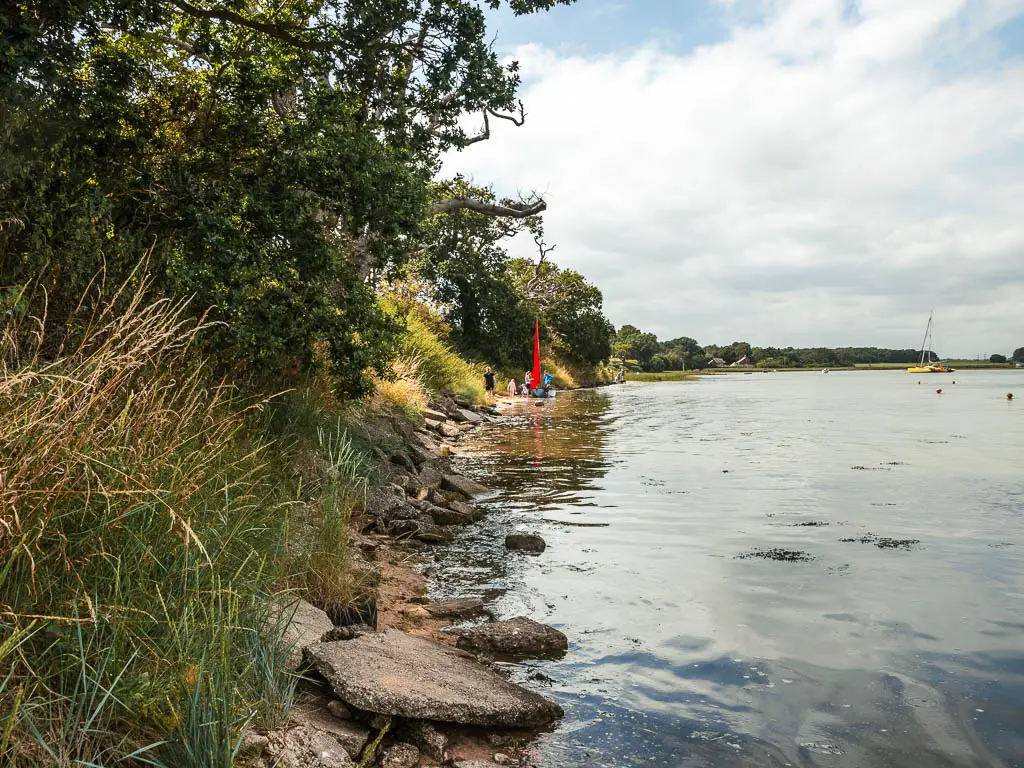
[924,341]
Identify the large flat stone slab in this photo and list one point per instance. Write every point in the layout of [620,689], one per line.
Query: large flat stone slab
[393,673]
[462,484]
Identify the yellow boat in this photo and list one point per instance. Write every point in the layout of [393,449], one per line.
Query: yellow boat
[926,365]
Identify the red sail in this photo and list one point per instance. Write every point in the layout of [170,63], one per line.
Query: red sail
[535,377]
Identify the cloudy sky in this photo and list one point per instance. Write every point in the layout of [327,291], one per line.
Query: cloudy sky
[784,172]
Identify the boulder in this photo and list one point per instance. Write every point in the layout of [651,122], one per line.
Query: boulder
[421,454]
[339,710]
[449,430]
[382,500]
[422,529]
[463,508]
[434,415]
[429,494]
[525,542]
[400,756]
[402,459]
[457,608]
[304,624]
[349,734]
[307,748]
[430,741]
[393,673]
[430,475]
[516,637]
[462,484]
[434,425]
[448,516]
[471,416]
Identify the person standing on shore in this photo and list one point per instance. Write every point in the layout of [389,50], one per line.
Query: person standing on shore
[489,382]
[526,384]
[512,388]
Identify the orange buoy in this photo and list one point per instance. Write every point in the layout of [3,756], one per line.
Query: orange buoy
[938,391]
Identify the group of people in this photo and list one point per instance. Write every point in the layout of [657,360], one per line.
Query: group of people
[514,388]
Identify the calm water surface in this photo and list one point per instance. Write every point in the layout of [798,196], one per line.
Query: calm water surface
[688,646]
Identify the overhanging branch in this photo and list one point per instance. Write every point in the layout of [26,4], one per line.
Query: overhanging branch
[453,204]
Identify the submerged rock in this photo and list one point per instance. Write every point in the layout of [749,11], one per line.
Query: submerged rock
[463,485]
[525,542]
[517,637]
[393,673]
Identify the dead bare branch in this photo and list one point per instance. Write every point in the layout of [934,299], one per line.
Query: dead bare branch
[453,204]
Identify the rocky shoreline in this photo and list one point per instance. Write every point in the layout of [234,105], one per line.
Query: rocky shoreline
[383,682]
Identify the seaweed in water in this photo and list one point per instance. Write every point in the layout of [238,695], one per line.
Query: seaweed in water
[883,542]
[872,469]
[811,524]
[785,555]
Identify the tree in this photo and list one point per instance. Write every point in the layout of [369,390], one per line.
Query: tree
[1018,355]
[267,162]
[571,308]
[633,344]
[997,359]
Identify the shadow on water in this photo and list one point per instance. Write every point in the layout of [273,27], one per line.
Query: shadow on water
[735,595]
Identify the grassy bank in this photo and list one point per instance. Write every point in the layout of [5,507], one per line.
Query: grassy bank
[151,516]
[664,376]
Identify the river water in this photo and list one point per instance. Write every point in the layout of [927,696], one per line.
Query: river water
[765,569]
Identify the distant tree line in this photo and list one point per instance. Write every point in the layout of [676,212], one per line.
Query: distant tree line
[644,351]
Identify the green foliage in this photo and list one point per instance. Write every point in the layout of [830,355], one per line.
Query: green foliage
[140,520]
[1018,355]
[265,161]
[997,359]
[633,344]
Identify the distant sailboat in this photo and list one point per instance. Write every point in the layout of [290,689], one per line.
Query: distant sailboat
[926,365]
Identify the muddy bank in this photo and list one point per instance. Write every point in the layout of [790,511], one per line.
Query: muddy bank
[383,681]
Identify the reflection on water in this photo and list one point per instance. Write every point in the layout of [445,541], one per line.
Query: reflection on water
[894,638]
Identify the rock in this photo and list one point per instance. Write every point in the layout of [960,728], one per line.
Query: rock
[447,516]
[305,624]
[423,530]
[463,508]
[401,458]
[431,742]
[253,744]
[501,758]
[400,756]
[519,637]
[430,495]
[414,613]
[462,485]
[350,735]
[457,608]
[384,499]
[430,475]
[339,710]
[498,739]
[449,430]
[471,416]
[307,748]
[475,764]
[394,673]
[434,415]
[525,542]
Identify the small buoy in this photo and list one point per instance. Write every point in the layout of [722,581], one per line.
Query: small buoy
[954,381]
[938,391]
[918,382]
[1009,395]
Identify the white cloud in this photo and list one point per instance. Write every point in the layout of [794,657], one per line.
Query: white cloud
[818,178]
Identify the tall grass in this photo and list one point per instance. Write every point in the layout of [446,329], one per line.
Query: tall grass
[139,531]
